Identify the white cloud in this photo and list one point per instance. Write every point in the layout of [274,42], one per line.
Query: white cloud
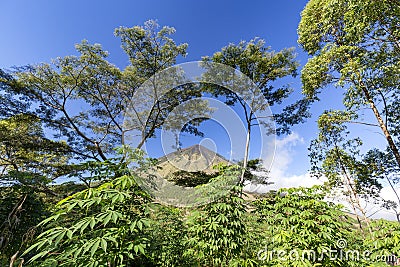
[283,155]
[372,210]
[304,180]
[284,151]
[387,193]
[280,166]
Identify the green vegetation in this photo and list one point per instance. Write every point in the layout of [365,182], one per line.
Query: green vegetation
[102,217]
[355,46]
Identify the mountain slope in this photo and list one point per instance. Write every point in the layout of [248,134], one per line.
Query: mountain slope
[196,158]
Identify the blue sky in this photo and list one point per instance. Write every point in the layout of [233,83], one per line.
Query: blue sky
[34,31]
[37,31]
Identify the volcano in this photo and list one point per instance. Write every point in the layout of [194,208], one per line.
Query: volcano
[196,158]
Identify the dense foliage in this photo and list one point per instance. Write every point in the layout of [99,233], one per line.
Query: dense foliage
[102,217]
[355,46]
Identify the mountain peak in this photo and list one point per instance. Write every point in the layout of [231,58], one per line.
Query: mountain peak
[192,159]
[197,148]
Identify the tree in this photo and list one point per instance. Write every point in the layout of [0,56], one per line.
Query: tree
[11,103]
[80,101]
[151,51]
[355,45]
[341,165]
[87,81]
[29,162]
[263,66]
[83,99]
[256,173]
[27,157]
[380,165]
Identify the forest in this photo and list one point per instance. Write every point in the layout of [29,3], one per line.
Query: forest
[77,187]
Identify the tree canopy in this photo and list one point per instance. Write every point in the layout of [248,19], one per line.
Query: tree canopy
[355,45]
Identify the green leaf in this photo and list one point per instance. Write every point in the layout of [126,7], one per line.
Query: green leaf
[95,247]
[92,222]
[104,245]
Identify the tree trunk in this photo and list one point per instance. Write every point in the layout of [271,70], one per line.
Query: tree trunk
[398,198]
[353,196]
[246,154]
[382,124]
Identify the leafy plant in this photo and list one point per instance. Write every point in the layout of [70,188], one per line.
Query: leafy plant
[217,231]
[167,233]
[102,226]
[299,222]
[384,243]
